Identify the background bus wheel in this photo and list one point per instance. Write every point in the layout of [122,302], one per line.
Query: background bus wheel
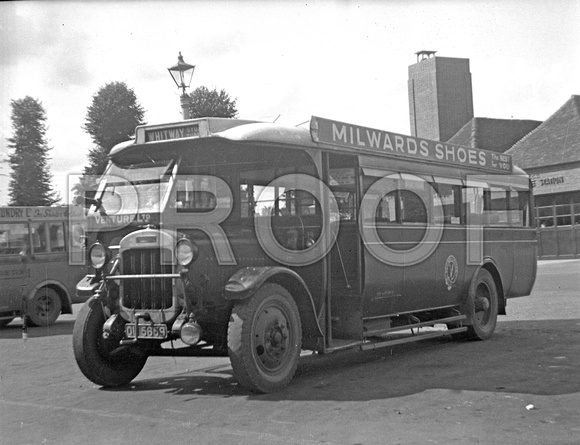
[93,353]
[44,308]
[264,339]
[482,307]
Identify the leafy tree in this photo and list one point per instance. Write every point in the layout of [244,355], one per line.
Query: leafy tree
[211,103]
[30,183]
[111,118]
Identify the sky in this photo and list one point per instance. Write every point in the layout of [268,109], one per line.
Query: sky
[282,60]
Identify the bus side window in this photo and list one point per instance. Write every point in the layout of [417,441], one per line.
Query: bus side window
[413,208]
[38,232]
[387,209]
[256,197]
[342,185]
[450,199]
[264,199]
[496,206]
[14,238]
[297,203]
[246,200]
[194,195]
[56,234]
[473,205]
[519,208]
[5,239]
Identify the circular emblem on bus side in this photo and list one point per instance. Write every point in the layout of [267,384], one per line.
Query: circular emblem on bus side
[451,271]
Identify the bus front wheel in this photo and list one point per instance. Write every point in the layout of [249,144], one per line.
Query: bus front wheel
[44,308]
[101,360]
[482,306]
[264,339]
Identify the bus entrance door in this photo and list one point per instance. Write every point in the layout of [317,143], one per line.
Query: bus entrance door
[345,269]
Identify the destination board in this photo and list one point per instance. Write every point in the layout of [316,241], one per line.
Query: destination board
[164,134]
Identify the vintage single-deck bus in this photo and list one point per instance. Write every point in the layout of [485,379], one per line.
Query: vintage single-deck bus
[256,240]
[38,252]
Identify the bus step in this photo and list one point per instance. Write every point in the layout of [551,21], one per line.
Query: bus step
[411,338]
[387,330]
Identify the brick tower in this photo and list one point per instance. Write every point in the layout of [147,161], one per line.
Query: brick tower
[440,96]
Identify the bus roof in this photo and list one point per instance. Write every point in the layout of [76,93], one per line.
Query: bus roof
[323,133]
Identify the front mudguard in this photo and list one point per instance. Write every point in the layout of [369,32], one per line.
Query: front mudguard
[245,282]
[87,286]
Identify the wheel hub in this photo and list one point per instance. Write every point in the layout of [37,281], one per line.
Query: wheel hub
[43,306]
[276,338]
[482,304]
[272,336]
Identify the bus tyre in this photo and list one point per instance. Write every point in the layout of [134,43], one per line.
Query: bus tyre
[482,306]
[264,339]
[93,352]
[44,308]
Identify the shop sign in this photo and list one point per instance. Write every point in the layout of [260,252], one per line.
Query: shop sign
[556,182]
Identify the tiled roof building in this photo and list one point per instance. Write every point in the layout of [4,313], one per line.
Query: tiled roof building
[493,134]
[555,141]
[550,154]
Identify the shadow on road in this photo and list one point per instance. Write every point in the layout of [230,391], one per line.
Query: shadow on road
[534,357]
[14,330]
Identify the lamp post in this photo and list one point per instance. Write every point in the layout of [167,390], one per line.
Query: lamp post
[182,73]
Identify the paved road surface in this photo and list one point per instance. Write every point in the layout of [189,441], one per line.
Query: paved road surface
[520,387]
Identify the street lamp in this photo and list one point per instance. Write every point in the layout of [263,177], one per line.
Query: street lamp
[182,73]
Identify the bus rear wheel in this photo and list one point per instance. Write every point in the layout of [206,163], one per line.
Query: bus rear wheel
[264,339]
[101,360]
[44,308]
[482,307]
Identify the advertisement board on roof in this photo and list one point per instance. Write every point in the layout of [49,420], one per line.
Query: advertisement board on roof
[370,139]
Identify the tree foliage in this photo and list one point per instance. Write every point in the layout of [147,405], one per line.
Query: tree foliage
[111,118]
[30,183]
[211,103]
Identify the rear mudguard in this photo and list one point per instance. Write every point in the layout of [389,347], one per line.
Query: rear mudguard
[245,282]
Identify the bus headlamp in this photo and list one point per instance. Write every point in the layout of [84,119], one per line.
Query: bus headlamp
[186,252]
[98,255]
[190,333]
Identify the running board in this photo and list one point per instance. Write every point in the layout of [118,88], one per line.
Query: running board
[382,331]
[365,344]
[341,345]
[411,338]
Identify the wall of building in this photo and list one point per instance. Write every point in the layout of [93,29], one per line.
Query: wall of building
[440,97]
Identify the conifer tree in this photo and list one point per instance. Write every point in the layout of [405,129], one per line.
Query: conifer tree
[30,183]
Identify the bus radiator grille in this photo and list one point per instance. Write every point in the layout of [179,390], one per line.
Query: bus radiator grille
[145,293]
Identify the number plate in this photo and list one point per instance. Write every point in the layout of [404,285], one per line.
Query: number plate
[146,330]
